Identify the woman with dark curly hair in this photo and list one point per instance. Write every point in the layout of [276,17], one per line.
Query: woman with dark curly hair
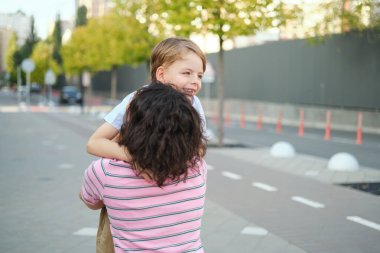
[155,202]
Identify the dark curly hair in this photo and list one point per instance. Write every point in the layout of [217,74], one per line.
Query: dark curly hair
[163,133]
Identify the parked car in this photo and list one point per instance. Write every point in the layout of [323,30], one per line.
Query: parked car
[70,95]
[35,88]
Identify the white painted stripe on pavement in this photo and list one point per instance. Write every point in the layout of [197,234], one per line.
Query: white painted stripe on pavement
[254,231]
[66,166]
[9,109]
[308,202]
[209,167]
[364,222]
[264,187]
[311,173]
[86,232]
[231,175]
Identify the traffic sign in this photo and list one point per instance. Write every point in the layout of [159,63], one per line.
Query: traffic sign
[49,77]
[27,65]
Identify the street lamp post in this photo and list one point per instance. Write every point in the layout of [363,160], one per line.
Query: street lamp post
[28,66]
[50,81]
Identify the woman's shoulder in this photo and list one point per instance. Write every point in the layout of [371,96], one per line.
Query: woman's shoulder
[114,167]
[199,167]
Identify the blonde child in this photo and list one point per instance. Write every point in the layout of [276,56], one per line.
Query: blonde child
[176,61]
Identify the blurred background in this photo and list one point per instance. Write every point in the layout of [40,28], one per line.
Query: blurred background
[291,94]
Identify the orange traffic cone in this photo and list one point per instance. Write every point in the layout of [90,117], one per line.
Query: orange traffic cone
[227,119]
[328,126]
[215,117]
[242,117]
[301,127]
[279,122]
[359,136]
[259,125]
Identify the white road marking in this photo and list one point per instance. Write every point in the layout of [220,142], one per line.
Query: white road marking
[254,231]
[231,175]
[308,202]
[66,166]
[311,173]
[209,167]
[86,232]
[264,187]
[9,109]
[364,222]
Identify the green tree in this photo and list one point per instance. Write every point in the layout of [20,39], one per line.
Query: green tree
[27,49]
[24,51]
[123,40]
[57,45]
[42,57]
[226,19]
[10,65]
[75,54]
[340,16]
[105,44]
[151,16]
[81,18]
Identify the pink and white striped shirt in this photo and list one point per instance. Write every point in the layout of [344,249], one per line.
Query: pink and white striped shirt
[144,217]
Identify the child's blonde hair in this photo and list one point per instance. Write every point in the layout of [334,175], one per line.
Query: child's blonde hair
[170,50]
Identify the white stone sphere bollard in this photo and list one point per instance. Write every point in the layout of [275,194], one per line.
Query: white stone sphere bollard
[343,162]
[282,149]
[209,134]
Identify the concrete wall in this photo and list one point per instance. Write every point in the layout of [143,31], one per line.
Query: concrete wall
[343,72]
[128,79]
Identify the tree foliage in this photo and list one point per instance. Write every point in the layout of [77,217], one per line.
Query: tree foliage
[42,57]
[27,48]
[150,14]
[9,55]
[15,55]
[340,16]
[57,40]
[226,19]
[106,42]
[81,18]
[75,54]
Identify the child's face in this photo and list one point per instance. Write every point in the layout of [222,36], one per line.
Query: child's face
[185,74]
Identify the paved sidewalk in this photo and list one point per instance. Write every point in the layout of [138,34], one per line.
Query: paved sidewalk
[303,165]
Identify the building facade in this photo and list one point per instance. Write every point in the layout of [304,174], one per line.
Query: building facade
[17,22]
[95,8]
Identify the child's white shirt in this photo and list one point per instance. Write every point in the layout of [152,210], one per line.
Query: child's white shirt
[116,116]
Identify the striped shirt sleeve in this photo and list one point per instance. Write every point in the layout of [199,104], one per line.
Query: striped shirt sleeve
[93,183]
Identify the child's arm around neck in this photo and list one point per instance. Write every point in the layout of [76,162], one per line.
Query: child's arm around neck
[101,144]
